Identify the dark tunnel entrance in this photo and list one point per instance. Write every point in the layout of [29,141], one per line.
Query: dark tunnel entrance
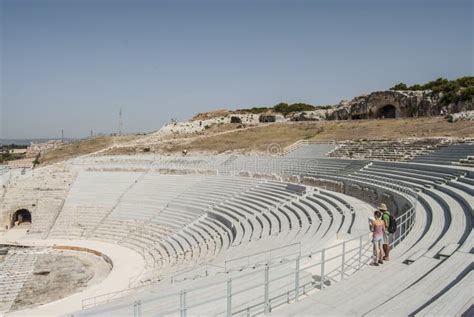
[21,216]
[387,112]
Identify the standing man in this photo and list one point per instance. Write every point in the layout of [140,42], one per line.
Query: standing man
[386,240]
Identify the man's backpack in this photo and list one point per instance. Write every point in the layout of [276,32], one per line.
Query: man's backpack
[392,224]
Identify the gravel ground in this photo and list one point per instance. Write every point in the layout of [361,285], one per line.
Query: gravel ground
[58,274]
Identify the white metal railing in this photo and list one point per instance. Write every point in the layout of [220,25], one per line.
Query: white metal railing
[265,257]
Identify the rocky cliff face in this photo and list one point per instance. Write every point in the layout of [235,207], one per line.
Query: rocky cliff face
[396,104]
[387,104]
[377,105]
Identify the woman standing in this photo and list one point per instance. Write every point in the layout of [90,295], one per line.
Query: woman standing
[378,230]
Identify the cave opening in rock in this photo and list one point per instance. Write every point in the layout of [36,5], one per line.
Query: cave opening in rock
[387,112]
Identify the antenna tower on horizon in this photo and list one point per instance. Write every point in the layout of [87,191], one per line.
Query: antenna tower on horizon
[120,123]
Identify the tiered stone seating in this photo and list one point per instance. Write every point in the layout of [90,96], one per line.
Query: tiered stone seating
[429,263]
[189,230]
[182,225]
[312,150]
[455,154]
[151,161]
[296,219]
[243,215]
[42,194]
[288,166]
[386,150]
[15,270]
[90,199]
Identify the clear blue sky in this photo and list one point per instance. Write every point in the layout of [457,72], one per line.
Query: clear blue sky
[71,64]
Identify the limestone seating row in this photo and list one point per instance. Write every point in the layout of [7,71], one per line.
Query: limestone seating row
[448,204]
[382,150]
[90,199]
[161,245]
[448,155]
[316,167]
[154,197]
[443,219]
[438,281]
[239,197]
[262,218]
[248,295]
[14,272]
[179,214]
[150,195]
[304,229]
[444,211]
[453,301]
[456,233]
[279,165]
[179,246]
[442,203]
[42,193]
[468,162]
[266,221]
[260,215]
[312,150]
[312,224]
[100,200]
[199,242]
[448,181]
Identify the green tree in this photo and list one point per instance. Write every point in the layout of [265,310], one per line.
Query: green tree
[467,93]
[399,86]
[416,87]
[466,81]
[282,107]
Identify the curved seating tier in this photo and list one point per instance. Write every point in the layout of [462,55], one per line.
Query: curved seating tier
[456,154]
[178,222]
[429,264]
[312,150]
[386,150]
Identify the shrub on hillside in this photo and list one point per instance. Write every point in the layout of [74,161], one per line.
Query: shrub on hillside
[399,86]
[467,93]
[285,109]
[453,91]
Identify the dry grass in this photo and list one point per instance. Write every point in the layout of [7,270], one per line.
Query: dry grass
[284,134]
[226,137]
[82,147]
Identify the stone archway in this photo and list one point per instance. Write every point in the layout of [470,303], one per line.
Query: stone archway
[21,216]
[387,112]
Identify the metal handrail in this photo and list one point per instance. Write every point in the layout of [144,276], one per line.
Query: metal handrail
[269,252]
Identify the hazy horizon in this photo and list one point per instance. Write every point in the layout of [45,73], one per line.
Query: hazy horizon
[73,64]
